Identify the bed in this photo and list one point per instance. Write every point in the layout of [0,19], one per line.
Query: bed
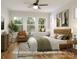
[45,43]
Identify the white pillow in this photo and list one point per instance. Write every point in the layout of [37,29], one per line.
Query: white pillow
[59,36]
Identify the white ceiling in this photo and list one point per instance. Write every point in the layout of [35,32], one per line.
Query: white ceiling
[19,5]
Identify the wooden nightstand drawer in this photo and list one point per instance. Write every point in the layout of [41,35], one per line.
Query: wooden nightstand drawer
[65,46]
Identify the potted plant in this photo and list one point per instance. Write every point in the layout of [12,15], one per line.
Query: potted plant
[13,29]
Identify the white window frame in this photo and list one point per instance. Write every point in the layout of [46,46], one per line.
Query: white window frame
[36,23]
[31,24]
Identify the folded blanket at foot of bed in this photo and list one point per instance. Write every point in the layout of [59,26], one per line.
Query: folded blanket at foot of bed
[43,44]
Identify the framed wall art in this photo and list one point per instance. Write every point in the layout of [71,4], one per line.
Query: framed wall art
[62,19]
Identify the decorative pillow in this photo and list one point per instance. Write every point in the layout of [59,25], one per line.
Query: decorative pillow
[58,36]
[65,37]
[55,36]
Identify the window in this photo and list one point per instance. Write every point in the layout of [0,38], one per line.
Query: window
[41,25]
[30,24]
[19,22]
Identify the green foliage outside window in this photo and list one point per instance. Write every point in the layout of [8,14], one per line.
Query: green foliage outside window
[41,24]
[30,20]
[17,22]
[41,21]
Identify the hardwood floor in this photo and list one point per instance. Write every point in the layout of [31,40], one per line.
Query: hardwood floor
[55,56]
[39,55]
[8,54]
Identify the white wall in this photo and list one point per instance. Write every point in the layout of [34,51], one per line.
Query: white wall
[72,4]
[72,20]
[4,14]
[26,13]
[52,24]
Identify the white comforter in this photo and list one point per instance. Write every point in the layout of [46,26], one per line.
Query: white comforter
[54,43]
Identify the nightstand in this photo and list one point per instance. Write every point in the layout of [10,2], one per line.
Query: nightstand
[65,47]
[72,50]
[69,46]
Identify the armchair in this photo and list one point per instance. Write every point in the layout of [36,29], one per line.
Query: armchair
[22,36]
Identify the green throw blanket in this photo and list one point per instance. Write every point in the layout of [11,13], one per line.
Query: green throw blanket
[43,44]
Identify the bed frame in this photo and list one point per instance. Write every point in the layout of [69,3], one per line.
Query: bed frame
[67,31]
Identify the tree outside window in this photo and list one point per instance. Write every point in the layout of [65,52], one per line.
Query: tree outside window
[41,25]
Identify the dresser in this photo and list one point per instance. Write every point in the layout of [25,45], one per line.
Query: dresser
[4,41]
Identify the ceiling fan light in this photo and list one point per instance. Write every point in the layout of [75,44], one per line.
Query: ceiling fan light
[35,7]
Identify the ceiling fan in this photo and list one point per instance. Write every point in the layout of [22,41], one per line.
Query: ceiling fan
[36,5]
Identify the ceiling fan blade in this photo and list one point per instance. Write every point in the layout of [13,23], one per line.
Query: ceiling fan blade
[43,4]
[37,1]
[30,6]
[39,7]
